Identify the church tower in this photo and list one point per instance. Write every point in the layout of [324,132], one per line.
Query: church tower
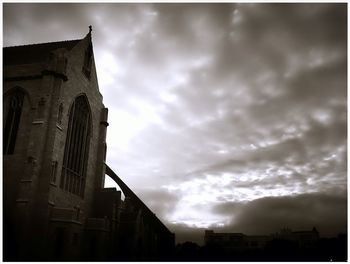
[54,135]
[54,131]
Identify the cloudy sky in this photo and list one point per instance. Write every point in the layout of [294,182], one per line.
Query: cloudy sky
[224,116]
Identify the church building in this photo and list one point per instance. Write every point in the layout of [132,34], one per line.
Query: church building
[55,206]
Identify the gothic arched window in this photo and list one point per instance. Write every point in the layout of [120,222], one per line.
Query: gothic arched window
[13,108]
[77,147]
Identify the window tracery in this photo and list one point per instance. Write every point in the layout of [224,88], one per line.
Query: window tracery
[76,148]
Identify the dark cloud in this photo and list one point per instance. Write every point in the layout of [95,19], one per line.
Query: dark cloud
[31,15]
[328,213]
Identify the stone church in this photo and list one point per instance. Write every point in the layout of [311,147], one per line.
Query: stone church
[55,206]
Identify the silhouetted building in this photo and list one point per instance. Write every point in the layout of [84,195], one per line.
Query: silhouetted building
[239,241]
[235,241]
[304,239]
[54,147]
[285,245]
[187,251]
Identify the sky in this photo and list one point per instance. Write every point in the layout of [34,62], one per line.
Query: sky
[231,117]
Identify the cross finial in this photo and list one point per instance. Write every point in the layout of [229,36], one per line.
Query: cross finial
[90,29]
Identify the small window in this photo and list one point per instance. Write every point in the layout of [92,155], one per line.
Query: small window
[41,108]
[53,171]
[14,110]
[60,114]
[88,62]
[104,151]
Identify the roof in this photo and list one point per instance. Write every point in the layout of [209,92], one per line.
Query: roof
[34,53]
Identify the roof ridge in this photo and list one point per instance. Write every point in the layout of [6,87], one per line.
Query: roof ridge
[43,43]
